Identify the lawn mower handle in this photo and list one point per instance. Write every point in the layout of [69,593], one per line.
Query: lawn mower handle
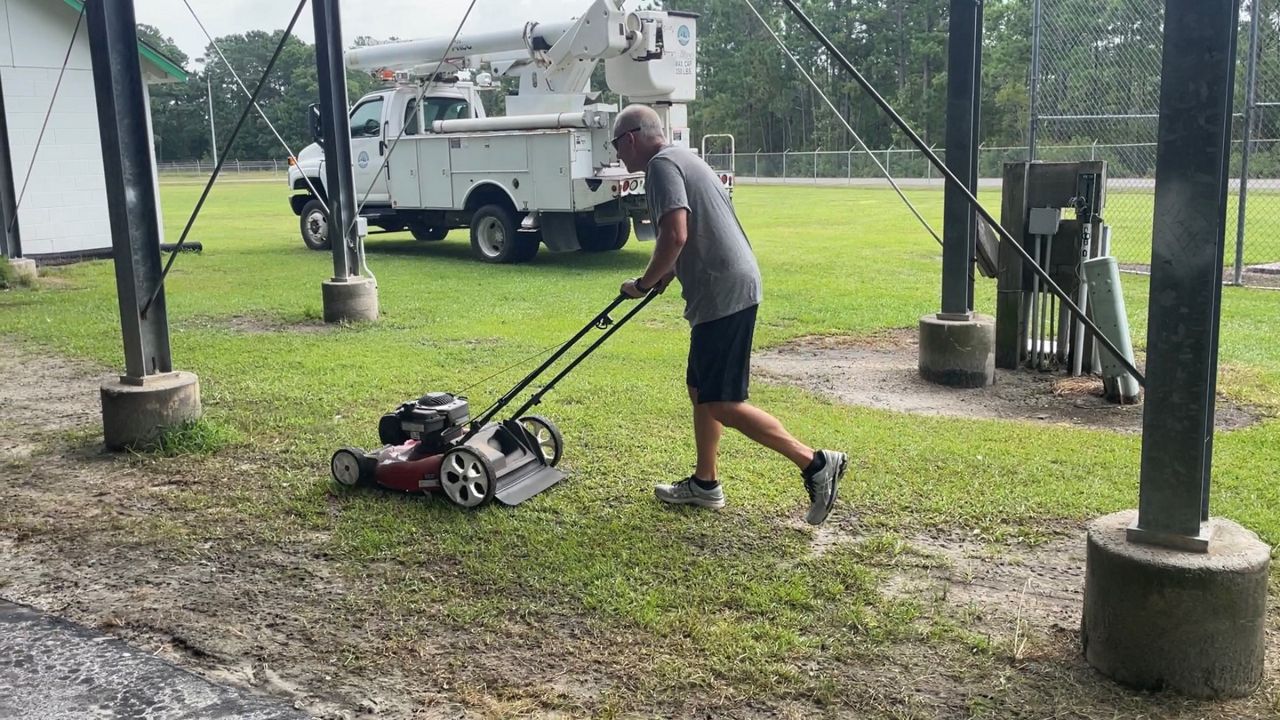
[600,320]
[537,397]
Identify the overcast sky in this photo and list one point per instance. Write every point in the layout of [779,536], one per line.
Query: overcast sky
[406,19]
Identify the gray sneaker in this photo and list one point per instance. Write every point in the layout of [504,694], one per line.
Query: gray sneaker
[822,486]
[687,492]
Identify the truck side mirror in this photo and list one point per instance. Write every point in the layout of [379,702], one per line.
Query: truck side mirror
[313,122]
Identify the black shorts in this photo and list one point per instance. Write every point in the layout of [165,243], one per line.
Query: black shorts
[720,357]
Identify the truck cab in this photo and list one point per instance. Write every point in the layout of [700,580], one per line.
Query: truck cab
[376,120]
[513,188]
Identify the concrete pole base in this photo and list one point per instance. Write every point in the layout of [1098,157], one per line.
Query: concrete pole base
[958,352]
[135,413]
[24,270]
[349,299]
[1162,619]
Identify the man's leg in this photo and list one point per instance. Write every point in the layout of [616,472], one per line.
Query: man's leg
[821,470]
[706,435]
[761,427]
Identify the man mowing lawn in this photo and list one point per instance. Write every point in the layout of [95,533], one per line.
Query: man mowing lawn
[701,242]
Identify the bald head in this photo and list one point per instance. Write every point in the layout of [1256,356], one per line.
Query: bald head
[641,118]
[638,136]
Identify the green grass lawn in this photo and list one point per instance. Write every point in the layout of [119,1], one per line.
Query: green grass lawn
[737,594]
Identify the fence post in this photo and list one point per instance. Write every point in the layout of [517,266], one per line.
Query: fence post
[784,165]
[1250,98]
[815,165]
[275,168]
[1093,150]
[1035,81]
[886,159]
[849,176]
[755,165]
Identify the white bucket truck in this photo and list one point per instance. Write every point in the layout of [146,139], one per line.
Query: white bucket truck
[426,158]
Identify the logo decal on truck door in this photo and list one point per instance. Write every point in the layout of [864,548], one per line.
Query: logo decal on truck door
[363,160]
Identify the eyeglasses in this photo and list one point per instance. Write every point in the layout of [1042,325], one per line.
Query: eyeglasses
[621,135]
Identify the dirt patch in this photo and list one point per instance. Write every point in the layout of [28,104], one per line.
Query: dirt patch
[84,534]
[1021,603]
[250,325]
[106,540]
[113,542]
[881,371]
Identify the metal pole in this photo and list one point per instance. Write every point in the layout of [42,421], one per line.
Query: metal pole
[336,126]
[1193,161]
[131,199]
[963,54]
[971,249]
[1250,98]
[213,136]
[10,239]
[1035,80]
[1033,330]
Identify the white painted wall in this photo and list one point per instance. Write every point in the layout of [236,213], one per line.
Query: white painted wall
[63,208]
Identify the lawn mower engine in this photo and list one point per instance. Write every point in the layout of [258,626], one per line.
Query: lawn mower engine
[435,420]
[428,444]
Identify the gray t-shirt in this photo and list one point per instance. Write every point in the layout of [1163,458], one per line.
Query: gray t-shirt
[717,269]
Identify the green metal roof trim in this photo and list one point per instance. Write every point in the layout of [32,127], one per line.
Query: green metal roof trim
[144,48]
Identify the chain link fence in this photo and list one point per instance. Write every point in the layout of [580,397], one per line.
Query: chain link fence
[239,167]
[908,166]
[1095,82]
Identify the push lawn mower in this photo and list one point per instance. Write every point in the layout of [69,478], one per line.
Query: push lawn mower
[432,443]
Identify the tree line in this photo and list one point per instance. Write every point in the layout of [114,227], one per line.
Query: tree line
[746,85]
[750,88]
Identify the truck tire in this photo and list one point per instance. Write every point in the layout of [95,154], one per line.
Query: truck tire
[427,232]
[314,223]
[494,237]
[603,238]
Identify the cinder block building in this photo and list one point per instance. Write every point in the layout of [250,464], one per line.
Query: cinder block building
[62,211]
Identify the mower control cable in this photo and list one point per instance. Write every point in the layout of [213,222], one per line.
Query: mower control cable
[510,367]
[600,320]
[982,211]
[537,397]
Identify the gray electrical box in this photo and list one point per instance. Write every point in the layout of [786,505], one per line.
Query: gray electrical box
[1044,221]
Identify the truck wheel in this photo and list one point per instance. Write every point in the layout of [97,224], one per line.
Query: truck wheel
[603,238]
[314,221]
[427,232]
[494,237]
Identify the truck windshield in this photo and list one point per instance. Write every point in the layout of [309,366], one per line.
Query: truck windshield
[438,108]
